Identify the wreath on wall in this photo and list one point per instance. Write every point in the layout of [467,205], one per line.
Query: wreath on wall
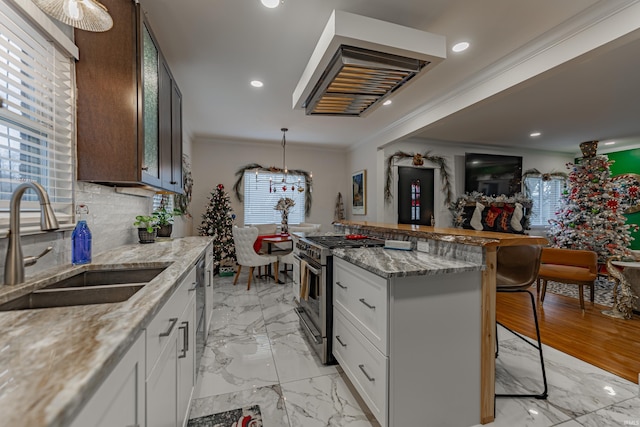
[256,167]
[418,160]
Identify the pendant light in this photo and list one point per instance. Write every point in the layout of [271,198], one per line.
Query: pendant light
[88,15]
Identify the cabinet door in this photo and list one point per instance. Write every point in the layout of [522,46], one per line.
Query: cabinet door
[208,297]
[176,139]
[162,387]
[152,77]
[186,361]
[119,402]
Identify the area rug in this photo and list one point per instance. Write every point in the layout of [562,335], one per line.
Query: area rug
[603,291]
[249,416]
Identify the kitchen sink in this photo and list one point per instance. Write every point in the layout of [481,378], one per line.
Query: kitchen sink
[108,277]
[85,288]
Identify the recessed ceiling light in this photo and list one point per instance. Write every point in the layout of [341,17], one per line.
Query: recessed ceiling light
[387,102]
[270,3]
[459,47]
[609,143]
[534,134]
[256,83]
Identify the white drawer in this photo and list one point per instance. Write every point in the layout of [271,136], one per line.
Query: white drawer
[163,324]
[363,298]
[365,366]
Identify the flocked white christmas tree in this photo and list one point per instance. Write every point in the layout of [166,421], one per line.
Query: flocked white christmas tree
[217,221]
[591,217]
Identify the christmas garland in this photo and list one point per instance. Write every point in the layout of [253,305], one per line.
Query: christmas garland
[418,160]
[254,166]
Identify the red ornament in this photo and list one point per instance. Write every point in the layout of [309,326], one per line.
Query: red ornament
[284,188]
[220,187]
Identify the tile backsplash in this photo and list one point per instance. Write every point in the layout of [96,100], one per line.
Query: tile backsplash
[110,219]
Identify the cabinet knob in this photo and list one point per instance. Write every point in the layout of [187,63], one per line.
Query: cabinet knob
[145,168]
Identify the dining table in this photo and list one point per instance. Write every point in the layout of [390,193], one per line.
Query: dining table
[272,240]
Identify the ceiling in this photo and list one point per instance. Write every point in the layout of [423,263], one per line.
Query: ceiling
[506,85]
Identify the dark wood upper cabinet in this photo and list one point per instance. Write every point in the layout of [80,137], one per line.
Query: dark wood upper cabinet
[129,118]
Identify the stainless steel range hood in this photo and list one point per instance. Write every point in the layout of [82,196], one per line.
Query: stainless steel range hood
[360,61]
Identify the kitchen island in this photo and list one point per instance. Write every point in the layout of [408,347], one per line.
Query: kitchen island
[53,360]
[467,245]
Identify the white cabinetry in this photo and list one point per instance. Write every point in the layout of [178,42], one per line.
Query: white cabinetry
[208,290]
[171,357]
[119,402]
[410,345]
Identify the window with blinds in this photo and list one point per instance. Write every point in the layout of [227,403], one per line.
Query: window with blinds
[36,118]
[262,191]
[546,196]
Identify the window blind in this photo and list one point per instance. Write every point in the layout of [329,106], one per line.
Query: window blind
[259,202]
[36,117]
[546,196]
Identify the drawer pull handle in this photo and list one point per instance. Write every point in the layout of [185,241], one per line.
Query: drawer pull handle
[365,373]
[340,341]
[372,307]
[185,339]
[194,287]
[173,322]
[341,285]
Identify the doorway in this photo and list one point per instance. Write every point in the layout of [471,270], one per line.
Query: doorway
[415,195]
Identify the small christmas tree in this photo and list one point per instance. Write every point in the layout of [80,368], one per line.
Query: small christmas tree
[217,221]
[591,216]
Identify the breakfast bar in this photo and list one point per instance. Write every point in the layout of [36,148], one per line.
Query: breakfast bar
[456,245]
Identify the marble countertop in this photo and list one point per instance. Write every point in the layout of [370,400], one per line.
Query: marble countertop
[397,263]
[51,360]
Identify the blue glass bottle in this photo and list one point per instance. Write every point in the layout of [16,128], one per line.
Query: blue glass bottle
[81,244]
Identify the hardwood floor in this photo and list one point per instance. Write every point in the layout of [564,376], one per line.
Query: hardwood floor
[610,344]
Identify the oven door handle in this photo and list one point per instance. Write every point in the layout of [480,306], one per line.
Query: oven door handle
[301,314]
[314,270]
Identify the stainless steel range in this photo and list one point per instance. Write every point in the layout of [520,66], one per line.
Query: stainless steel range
[315,308]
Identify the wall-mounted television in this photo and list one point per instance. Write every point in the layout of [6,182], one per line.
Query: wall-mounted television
[492,174]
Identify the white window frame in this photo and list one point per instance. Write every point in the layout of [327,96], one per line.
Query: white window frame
[37,87]
[259,203]
[546,202]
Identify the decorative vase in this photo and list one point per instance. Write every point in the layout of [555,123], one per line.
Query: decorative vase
[589,148]
[285,222]
[145,237]
[165,230]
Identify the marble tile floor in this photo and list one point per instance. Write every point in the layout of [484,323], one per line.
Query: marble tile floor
[257,354]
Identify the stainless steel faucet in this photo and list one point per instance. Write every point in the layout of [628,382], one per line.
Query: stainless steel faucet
[15,262]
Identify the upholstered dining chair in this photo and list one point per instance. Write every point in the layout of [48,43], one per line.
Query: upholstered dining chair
[243,239]
[517,269]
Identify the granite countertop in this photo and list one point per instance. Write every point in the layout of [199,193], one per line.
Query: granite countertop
[389,263]
[53,359]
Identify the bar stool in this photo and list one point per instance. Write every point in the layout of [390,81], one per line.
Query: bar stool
[517,269]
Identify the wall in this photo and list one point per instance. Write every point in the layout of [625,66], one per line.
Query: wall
[216,162]
[628,161]
[375,161]
[110,220]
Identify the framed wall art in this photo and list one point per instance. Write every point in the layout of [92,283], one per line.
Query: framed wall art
[359,193]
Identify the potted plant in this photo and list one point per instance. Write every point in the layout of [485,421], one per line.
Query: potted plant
[164,220]
[147,228]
